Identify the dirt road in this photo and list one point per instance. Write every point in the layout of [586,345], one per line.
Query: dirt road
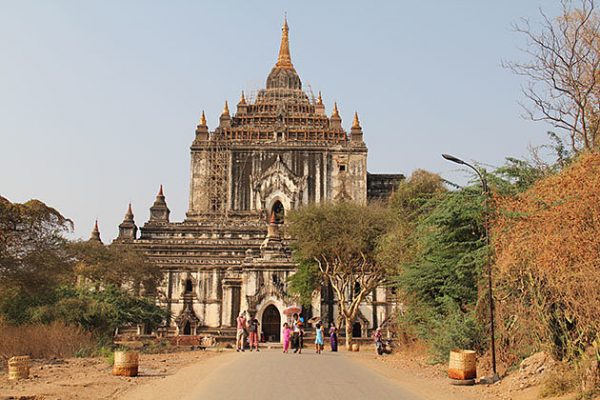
[273,375]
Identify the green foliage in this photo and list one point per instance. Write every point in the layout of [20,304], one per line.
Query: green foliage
[32,256]
[437,248]
[100,311]
[344,231]
[304,282]
[451,251]
[114,265]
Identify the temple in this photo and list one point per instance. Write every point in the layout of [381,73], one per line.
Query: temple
[280,150]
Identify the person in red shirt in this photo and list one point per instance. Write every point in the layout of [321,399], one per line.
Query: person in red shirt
[253,330]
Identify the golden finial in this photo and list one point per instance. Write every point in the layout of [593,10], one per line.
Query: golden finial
[320,99]
[242,98]
[203,119]
[356,122]
[335,113]
[284,60]
[226,108]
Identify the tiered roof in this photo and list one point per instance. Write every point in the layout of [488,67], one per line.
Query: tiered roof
[282,112]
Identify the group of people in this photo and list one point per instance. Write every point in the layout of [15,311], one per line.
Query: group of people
[294,335]
[247,328]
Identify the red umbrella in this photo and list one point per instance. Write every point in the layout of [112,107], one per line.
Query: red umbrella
[292,310]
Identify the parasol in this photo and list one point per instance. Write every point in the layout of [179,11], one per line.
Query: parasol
[292,310]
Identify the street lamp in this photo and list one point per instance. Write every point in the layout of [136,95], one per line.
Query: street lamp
[489,263]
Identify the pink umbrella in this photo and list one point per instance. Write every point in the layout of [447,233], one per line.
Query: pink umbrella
[292,310]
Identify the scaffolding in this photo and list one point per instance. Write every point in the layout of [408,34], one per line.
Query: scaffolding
[217,175]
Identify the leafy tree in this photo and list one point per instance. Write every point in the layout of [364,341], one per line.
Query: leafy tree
[100,311]
[412,200]
[32,256]
[116,265]
[340,239]
[305,281]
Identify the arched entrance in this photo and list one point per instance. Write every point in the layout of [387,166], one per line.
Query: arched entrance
[279,212]
[187,328]
[271,324]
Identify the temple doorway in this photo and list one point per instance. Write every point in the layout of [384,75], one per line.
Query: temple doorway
[187,328]
[271,324]
[278,212]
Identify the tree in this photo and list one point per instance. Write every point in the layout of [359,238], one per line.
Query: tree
[411,201]
[116,265]
[341,240]
[31,245]
[564,79]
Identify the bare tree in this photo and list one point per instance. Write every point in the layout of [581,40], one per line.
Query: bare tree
[564,87]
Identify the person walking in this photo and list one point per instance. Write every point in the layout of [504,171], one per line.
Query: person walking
[253,330]
[287,333]
[378,339]
[295,332]
[319,338]
[333,338]
[241,332]
[300,337]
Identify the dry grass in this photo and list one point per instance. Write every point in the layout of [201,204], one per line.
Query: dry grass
[43,341]
[561,381]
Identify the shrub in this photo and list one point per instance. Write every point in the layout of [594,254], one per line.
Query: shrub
[43,341]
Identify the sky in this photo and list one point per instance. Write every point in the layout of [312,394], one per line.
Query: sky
[99,100]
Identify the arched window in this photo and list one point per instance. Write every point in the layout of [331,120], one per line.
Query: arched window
[188,286]
[279,212]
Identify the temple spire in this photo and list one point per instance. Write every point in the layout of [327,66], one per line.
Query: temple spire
[356,122]
[95,236]
[129,213]
[242,98]
[203,119]
[335,113]
[320,99]
[226,109]
[284,60]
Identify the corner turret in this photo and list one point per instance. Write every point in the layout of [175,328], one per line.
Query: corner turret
[159,212]
[225,119]
[127,228]
[202,128]
[356,133]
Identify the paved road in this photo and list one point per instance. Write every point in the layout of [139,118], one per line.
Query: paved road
[272,375]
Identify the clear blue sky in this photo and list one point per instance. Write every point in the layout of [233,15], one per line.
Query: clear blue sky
[99,99]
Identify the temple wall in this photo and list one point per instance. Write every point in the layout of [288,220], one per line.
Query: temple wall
[313,176]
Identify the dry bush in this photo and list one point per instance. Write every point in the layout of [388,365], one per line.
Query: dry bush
[43,341]
[558,383]
[547,243]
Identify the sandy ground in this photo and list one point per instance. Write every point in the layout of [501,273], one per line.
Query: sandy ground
[412,370]
[197,374]
[271,375]
[91,378]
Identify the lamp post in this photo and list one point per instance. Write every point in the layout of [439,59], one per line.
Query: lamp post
[489,263]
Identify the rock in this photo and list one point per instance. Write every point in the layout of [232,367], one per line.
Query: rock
[532,368]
